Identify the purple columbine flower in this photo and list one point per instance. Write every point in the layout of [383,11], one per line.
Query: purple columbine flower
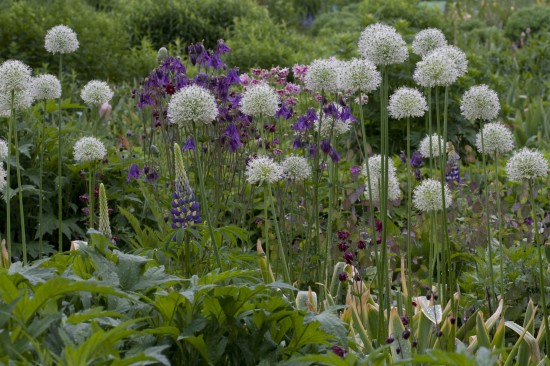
[339,351]
[232,134]
[133,173]
[342,246]
[189,144]
[326,146]
[348,257]
[416,160]
[284,112]
[343,276]
[222,47]
[150,174]
[232,77]
[297,143]
[355,171]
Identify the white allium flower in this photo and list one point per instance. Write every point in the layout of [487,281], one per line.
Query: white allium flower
[458,57]
[263,169]
[382,45]
[527,164]
[322,76]
[46,87]
[427,40]
[96,92]
[427,196]
[260,100]
[407,102]
[61,39]
[480,102]
[375,170]
[3,150]
[192,104]
[424,147]
[497,138]
[331,125]
[436,69]
[89,149]
[14,76]
[296,168]
[358,75]
[21,100]
[3,182]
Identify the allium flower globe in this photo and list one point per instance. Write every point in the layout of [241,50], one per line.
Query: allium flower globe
[497,139]
[436,69]
[260,100]
[15,76]
[427,40]
[427,196]
[407,102]
[480,102]
[263,170]
[322,76]
[96,92]
[192,104]
[457,56]
[382,45]
[46,87]
[61,39]
[375,175]
[358,75]
[527,164]
[296,168]
[89,149]
[332,126]
[3,150]
[436,141]
[3,182]
[21,100]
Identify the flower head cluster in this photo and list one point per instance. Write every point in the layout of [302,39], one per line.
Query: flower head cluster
[427,196]
[192,104]
[260,100]
[3,182]
[375,176]
[527,164]
[436,69]
[334,123]
[61,39]
[457,56]
[21,100]
[322,75]
[185,210]
[407,102]
[263,169]
[382,45]
[430,146]
[480,102]
[358,75]
[46,87]
[89,149]
[15,76]
[3,150]
[96,92]
[427,40]
[497,139]
[296,168]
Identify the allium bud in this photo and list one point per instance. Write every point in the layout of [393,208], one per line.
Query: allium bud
[527,164]
[162,54]
[407,102]
[46,87]
[96,92]
[432,151]
[427,196]
[480,102]
[296,168]
[192,104]
[61,39]
[89,149]
[263,169]
[382,45]
[104,225]
[427,40]
[497,139]
[260,100]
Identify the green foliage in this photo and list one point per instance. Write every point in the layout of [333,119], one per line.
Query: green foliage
[536,18]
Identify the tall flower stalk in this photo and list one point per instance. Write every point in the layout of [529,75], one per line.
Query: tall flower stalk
[62,40]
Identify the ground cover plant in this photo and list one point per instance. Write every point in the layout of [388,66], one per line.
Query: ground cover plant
[386,205]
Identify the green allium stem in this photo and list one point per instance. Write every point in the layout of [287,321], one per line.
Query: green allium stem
[281,249]
[20,191]
[266,224]
[59,164]
[409,209]
[40,186]
[91,194]
[8,186]
[499,218]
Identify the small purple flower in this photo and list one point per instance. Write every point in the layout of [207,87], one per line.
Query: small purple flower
[83,198]
[232,134]
[284,112]
[133,173]
[339,351]
[378,226]
[343,235]
[361,244]
[348,257]
[86,211]
[528,221]
[355,171]
[403,157]
[189,144]
[342,276]
[150,174]
[297,143]
[232,77]
[416,160]
[326,146]
[222,47]
[343,246]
